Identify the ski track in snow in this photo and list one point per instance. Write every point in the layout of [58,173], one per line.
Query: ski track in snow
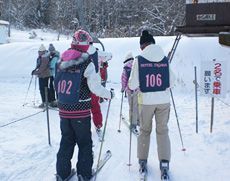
[33,157]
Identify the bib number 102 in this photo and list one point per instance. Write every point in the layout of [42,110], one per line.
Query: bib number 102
[64,86]
[153,80]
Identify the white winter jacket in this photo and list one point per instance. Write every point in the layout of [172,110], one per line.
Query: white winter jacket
[94,79]
[94,82]
[152,53]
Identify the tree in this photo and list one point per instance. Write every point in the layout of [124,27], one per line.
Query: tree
[104,18]
[18,10]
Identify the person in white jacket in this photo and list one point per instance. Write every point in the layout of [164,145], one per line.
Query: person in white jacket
[152,75]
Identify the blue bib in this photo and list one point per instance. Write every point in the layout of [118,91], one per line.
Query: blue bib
[153,76]
[67,85]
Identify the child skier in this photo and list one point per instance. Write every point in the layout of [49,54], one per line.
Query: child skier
[54,57]
[133,112]
[74,81]
[95,105]
[44,76]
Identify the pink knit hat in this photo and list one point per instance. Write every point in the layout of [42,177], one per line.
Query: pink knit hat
[81,40]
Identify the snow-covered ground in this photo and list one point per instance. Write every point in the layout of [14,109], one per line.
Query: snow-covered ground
[24,150]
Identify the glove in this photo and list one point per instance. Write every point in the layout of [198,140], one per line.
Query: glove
[105,64]
[122,90]
[112,93]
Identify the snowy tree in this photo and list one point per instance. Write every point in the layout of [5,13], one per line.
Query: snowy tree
[18,10]
[162,17]
[104,18]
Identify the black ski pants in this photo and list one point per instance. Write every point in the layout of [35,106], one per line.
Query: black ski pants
[49,83]
[75,131]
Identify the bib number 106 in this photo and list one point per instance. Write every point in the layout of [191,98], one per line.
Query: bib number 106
[153,80]
[64,86]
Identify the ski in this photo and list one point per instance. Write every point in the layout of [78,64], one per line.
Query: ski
[136,133]
[143,176]
[164,167]
[43,108]
[95,170]
[164,175]
[102,162]
[54,108]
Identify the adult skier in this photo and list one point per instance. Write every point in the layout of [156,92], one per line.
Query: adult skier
[74,81]
[152,75]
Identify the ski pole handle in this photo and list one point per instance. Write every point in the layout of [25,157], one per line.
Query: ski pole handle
[112,93]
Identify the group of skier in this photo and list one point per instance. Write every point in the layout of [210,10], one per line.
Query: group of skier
[45,71]
[146,79]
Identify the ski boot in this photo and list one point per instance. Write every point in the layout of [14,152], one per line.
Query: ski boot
[53,104]
[164,167]
[58,178]
[133,128]
[81,178]
[143,169]
[143,166]
[42,105]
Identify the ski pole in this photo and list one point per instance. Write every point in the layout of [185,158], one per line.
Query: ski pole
[27,91]
[47,114]
[103,135]
[122,96]
[183,149]
[35,86]
[196,99]
[130,130]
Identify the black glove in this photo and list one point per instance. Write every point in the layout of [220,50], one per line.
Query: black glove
[105,64]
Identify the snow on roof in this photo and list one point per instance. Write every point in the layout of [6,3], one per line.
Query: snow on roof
[2,22]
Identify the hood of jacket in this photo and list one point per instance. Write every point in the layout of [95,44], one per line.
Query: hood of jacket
[153,53]
[74,62]
[129,64]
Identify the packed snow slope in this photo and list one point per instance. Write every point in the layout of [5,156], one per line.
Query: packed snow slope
[24,149]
